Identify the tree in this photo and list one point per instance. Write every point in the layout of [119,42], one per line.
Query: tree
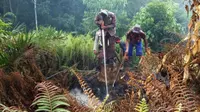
[10,5]
[35,10]
[63,14]
[133,6]
[157,19]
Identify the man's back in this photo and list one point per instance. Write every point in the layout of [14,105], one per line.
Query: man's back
[109,21]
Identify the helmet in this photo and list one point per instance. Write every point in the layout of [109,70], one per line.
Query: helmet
[104,11]
[136,29]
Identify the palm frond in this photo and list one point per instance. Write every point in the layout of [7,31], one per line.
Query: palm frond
[18,28]
[49,98]
[12,48]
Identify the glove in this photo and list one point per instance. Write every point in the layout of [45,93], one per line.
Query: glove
[118,41]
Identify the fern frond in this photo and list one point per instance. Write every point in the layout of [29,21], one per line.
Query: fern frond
[179,108]
[4,108]
[49,98]
[142,106]
[93,100]
[100,108]
[109,107]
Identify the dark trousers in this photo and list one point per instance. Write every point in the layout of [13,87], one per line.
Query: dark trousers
[109,47]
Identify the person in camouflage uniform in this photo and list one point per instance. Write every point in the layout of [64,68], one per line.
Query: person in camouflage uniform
[106,21]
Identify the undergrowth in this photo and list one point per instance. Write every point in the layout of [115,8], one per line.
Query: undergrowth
[21,69]
[68,49]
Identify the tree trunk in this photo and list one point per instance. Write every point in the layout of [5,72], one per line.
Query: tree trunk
[4,6]
[10,5]
[35,9]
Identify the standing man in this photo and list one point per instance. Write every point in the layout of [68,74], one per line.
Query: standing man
[134,38]
[106,21]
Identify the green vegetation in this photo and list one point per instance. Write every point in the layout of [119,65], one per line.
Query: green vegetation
[49,98]
[66,32]
[76,15]
[142,106]
[158,21]
[67,49]
[65,37]
[3,27]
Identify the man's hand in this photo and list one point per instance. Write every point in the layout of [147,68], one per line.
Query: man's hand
[95,52]
[102,25]
[100,22]
[125,56]
[147,50]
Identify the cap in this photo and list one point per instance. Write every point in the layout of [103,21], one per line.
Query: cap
[136,29]
[104,11]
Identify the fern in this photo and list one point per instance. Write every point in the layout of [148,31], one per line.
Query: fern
[48,98]
[142,106]
[76,48]
[179,108]
[101,106]
[109,107]
[4,108]
[11,48]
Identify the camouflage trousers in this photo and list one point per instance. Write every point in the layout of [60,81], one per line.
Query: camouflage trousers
[109,48]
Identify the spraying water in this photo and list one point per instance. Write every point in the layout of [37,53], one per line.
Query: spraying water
[104,53]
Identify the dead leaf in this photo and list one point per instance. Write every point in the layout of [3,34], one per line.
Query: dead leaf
[186,38]
[187,57]
[198,10]
[191,7]
[194,38]
[148,51]
[186,74]
[164,59]
[196,29]
[190,24]
[198,44]
[187,9]
[195,49]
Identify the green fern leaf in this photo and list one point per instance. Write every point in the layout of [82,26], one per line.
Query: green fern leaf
[61,110]
[48,99]
[58,97]
[142,106]
[42,109]
[58,103]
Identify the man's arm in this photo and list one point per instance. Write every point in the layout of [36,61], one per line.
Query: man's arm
[127,43]
[145,40]
[96,42]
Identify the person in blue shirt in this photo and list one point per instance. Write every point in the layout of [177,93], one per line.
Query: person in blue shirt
[134,38]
